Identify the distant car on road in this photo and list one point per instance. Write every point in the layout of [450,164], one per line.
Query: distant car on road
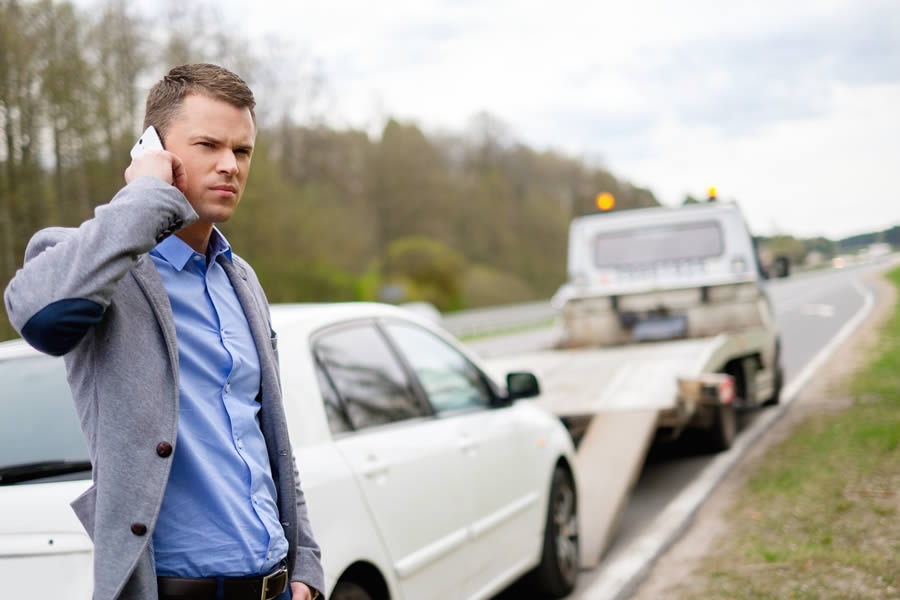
[424,477]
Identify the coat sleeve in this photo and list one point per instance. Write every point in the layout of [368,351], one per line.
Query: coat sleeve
[308,562]
[70,275]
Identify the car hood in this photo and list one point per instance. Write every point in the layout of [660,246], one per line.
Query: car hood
[42,544]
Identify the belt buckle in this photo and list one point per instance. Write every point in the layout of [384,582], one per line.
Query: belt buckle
[265,582]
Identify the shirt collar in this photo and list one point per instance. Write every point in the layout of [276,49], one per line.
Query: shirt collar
[177,253]
[218,245]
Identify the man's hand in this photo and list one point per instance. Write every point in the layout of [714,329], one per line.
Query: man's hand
[300,591]
[158,163]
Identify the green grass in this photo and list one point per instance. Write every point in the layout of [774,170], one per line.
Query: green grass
[508,331]
[819,516]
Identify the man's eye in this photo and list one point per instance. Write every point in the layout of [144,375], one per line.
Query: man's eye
[207,144]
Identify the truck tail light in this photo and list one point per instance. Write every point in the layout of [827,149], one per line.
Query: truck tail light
[710,388]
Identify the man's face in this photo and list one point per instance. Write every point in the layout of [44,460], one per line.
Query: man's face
[214,141]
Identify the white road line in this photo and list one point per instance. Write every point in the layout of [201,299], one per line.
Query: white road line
[618,578]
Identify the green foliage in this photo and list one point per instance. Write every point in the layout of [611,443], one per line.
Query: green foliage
[486,286]
[428,270]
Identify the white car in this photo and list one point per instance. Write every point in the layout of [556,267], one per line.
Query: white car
[424,477]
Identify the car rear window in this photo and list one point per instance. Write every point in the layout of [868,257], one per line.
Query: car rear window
[39,421]
[690,241]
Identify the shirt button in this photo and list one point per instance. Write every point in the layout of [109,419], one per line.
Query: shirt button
[138,529]
[164,449]
[227,387]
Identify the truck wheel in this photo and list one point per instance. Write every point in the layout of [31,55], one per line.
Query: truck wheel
[724,428]
[779,383]
[347,590]
[555,575]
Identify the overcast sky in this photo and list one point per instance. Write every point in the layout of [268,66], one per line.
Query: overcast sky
[791,108]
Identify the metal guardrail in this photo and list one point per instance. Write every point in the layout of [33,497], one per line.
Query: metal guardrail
[497,319]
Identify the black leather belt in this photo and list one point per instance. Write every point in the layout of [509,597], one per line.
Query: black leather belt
[261,587]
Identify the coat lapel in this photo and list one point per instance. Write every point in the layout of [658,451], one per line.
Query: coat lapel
[256,318]
[148,280]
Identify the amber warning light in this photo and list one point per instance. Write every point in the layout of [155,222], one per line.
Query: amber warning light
[605,201]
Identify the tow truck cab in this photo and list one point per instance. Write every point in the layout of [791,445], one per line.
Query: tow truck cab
[662,273]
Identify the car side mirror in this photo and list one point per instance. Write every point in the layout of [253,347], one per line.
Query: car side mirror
[522,385]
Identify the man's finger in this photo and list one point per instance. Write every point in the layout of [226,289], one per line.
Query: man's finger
[179,175]
[300,591]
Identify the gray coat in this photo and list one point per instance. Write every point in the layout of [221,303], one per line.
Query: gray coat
[94,295]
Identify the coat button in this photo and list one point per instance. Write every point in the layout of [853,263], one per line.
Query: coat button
[138,529]
[164,449]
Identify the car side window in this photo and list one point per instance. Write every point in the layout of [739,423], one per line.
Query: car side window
[451,382]
[368,377]
[338,421]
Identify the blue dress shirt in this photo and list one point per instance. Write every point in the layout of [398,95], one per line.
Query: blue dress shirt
[219,515]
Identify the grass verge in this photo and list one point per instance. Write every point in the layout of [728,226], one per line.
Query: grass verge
[507,331]
[820,516]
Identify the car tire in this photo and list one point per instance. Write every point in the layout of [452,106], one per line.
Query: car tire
[347,590]
[555,575]
[724,428]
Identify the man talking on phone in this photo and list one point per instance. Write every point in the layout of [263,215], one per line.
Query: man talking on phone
[173,366]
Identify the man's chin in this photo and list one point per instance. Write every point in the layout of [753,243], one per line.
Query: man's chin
[215,219]
[215,215]
[214,211]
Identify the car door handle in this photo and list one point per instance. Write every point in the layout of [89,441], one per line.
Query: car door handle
[374,468]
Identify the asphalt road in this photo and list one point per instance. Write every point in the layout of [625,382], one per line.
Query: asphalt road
[810,310]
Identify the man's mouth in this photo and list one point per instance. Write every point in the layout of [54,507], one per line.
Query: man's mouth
[225,190]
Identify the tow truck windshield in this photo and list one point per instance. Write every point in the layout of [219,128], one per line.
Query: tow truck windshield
[671,243]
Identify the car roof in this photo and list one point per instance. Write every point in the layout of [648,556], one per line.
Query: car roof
[307,317]
[315,316]
[17,348]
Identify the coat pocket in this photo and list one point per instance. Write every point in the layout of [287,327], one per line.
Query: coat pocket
[85,507]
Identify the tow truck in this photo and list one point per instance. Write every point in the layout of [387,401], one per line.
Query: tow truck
[666,327]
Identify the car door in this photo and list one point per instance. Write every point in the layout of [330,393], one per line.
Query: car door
[407,463]
[500,444]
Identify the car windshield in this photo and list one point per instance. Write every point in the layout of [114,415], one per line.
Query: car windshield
[690,241]
[39,421]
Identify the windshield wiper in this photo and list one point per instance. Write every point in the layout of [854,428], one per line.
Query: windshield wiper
[27,471]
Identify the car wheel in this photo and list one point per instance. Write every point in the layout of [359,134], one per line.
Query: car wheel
[347,590]
[724,427]
[556,574]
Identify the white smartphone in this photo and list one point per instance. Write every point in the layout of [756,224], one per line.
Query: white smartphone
[148,140]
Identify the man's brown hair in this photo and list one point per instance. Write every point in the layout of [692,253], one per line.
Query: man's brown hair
[166,98]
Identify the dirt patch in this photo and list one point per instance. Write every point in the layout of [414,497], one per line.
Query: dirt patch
[674,574]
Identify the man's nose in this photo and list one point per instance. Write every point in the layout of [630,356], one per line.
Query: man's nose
[227,163]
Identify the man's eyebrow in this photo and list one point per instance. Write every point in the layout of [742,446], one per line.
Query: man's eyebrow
[214,140]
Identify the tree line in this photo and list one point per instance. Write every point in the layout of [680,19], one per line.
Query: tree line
[458,219]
